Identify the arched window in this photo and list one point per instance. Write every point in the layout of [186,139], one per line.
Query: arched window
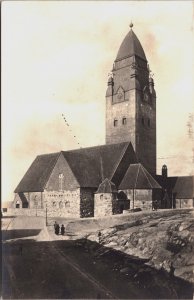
[61,182]
[67,204]
[54,204]
[60,204]
[115,122]
[124,121]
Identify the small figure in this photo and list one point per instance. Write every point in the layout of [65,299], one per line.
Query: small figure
[62,229]
[156,204]
[55,224]
[57,229]
[172,269]
[99,236]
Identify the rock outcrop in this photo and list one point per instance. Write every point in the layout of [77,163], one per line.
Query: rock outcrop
[165,240]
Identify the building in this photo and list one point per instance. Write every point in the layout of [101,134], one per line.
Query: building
[131,102]
[105,180]
[177,192]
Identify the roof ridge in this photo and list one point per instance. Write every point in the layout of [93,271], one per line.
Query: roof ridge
[71,168]
[52,169]
[93,147]
[46,154]
[121,156]
[147,176]
[137,174]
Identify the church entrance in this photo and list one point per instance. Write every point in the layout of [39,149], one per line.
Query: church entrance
[23,200]
[123,203]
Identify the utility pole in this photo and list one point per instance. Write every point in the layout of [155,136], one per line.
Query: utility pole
[133,198]
[46,216]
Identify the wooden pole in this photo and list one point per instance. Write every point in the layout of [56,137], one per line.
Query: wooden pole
[46,216]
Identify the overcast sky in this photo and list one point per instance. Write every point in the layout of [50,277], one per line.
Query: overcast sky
[56,57]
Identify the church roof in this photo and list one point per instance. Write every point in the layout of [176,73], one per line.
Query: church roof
[166,183]
[107,187]
[184,187]
[130,46]
[89,166]
[38,173]
[137,177]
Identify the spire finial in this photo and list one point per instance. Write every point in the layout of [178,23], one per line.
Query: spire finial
[131,25]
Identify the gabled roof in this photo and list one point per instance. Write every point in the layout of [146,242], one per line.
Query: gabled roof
[166,183]
[38,174]
[106,187]
[130,46]
[90,165]
[137,177]
[184,187]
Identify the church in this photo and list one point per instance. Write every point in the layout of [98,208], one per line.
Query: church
[118,176]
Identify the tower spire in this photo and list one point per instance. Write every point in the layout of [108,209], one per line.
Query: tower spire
[131,25]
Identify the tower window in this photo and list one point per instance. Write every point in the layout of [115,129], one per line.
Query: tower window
[124,121]
[115,123]
[142,121]
[148,122]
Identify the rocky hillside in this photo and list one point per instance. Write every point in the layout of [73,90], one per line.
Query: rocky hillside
[164,238]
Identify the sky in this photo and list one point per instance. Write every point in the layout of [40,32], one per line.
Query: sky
[56,56]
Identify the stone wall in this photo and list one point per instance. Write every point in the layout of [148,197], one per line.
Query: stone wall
[146,133]
[87,202]
[103,205]
[63,204]
[32,199]
[184,203]
[128,101]
[25,212]
[118,111]
[142,199]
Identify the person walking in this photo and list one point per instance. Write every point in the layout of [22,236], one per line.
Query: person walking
[56,228]
[55,224]
[62,229]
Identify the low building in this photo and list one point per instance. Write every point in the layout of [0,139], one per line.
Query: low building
[177,191]
[140,188]
[183,192]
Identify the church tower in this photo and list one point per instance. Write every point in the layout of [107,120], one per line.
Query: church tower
[131,102]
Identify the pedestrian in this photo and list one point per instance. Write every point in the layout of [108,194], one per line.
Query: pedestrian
[156,204]
[172,269]
[62,229]
[55,224]
[99,236]
[57,228]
